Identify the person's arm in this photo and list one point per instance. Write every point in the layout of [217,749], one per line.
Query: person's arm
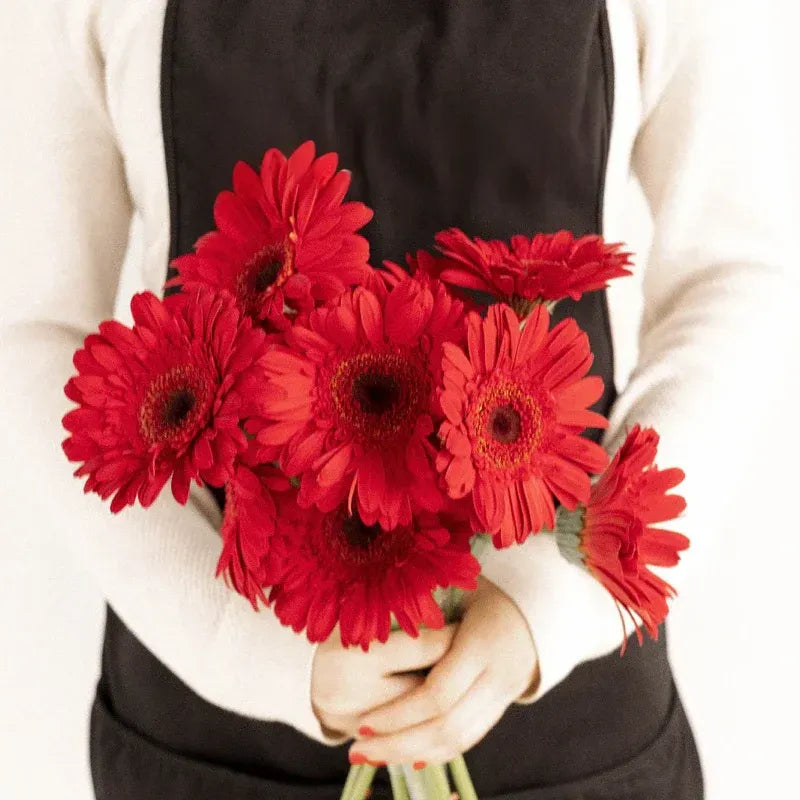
[719,331]
[66,212]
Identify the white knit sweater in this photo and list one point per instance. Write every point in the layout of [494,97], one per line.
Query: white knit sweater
[695,185]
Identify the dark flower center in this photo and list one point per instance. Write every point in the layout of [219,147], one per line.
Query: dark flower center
[358,535]
[505,424]
[178,406]
[266,276]
[349,540]
[380,396]
[376,393]
[175,405]
[265,272]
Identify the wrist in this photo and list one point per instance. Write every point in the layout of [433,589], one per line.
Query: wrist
[570,616]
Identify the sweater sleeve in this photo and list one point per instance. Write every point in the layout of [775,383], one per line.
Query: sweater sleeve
[67,214]
[717,332]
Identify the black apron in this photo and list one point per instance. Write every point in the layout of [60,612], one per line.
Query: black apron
[489,115]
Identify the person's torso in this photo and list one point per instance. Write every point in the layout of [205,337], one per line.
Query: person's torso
[490,116]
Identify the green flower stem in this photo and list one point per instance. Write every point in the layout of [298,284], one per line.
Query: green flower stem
[363,781]
[347,789]
[431,787]
[440,781]
[415,783]
[462,780]
[479,544]
[398,781]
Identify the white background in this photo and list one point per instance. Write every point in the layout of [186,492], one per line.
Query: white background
[733,632]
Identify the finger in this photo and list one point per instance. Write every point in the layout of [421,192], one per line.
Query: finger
[387,690]
[347,721]
[443,738]
[358,699]
[402,653]
[444,686]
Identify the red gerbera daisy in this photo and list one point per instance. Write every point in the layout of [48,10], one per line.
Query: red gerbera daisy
[339,569]
[514,408]
[352,397]
[284,239]
[425,268]
[474,264]
[547,267]
[247,561]
[165,398]
[614,538]
[566,266]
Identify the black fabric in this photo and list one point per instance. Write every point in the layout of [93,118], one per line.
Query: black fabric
[128,765]
[492,116]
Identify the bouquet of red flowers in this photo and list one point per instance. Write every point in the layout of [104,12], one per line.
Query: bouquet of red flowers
[371,428]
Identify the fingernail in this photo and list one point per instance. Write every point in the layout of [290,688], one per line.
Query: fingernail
[420,765]
[357,758]
[376,763]
[365,730]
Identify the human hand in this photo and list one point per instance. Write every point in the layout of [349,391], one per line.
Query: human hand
[492,661]
[347,683]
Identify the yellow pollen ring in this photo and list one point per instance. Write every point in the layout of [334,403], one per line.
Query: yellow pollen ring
[502,395]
